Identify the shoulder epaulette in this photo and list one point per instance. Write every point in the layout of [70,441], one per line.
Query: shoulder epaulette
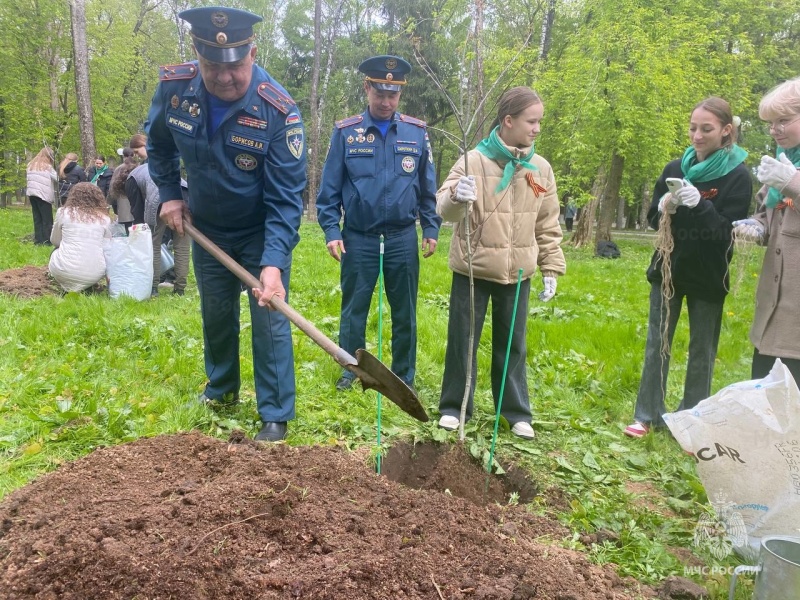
[280,100]
[183,71]
[412,121]
[349,121]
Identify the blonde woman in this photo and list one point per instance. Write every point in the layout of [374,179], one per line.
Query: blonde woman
[69,173]
[81,227]
[41,181]
[776,225]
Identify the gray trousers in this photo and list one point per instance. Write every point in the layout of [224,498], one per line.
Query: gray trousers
[516,404]
[705,319]
[181,252]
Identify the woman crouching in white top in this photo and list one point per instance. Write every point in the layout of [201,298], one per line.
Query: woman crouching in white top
[79,231]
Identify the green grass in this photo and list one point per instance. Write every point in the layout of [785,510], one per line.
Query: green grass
[79,372]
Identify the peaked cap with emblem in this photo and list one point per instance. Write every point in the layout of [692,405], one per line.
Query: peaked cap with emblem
[221,35]
[385,73]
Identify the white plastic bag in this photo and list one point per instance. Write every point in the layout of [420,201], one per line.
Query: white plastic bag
[129,264]
[746,440]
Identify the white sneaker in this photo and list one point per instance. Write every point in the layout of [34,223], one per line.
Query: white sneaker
[448,422]
[523,430]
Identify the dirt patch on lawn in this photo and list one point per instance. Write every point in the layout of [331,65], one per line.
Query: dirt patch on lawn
[27,282]
[192,517]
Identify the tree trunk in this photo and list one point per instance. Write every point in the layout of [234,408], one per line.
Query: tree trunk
[583,231]
[646,200]
[313,163]
[82,88]
[608,204]
[547,30]
[621,213]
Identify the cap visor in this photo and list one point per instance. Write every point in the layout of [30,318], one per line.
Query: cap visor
[222,55]
[386,87]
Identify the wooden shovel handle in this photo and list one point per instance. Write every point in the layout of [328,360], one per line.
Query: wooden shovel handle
[341,356]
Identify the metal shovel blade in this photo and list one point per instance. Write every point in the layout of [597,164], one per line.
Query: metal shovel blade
[372,373]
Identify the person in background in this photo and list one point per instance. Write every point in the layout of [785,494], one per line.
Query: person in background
[117,197]
[41,180]
[79,232]
[143,194]
[100,174]
[242,141]
[570,210]
[776,330]
[508,193]
[379,172]
[69,173]
[716,191]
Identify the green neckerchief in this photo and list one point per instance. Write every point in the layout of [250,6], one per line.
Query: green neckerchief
[719,164]
[774,196]
[98,173]
[493,148]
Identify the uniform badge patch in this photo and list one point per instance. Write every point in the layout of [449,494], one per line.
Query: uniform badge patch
[408,164]
[294,140]
[185,105]
[350,139]
[292,119]
[370,138]
[246,162]
[174,101]
[194,110]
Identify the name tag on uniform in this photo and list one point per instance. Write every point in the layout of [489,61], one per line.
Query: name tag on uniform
[249,142]
[404,149]
[181,125]
[361,151]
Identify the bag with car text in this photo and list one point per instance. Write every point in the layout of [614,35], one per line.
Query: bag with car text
[746,442]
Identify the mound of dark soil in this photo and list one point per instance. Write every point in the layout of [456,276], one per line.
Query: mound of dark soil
[191,517]
[27,282]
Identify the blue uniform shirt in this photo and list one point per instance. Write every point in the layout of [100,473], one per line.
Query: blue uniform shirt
[381,184]
[249,174]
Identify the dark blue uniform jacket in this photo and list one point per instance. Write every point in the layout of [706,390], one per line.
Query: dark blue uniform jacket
[381,185]
[250,174]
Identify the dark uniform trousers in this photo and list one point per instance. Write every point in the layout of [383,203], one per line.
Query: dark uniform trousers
[220,293]
[359,274]
[516,403]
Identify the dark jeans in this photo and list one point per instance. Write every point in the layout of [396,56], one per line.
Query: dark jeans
[705,319]
[516,403]
[42,220]
[762,364]
[568,222]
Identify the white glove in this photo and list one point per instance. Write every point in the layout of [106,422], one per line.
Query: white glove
[549,289]
[466,190]
[749,230]
[688,195]
[776,173]
[668,203]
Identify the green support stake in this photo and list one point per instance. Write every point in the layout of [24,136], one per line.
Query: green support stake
[503,382]
[380,345]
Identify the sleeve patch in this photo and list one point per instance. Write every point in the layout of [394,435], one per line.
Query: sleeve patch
[349,121]
[283,102]
[183,71]
[413,121]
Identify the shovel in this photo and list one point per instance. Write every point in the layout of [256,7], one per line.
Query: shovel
[372,373]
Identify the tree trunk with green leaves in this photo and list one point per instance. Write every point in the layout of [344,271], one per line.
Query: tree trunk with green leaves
[608,204]
[82,88]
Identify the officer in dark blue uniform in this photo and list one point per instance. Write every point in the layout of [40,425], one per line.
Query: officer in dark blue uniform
[241,139]
[379,173]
